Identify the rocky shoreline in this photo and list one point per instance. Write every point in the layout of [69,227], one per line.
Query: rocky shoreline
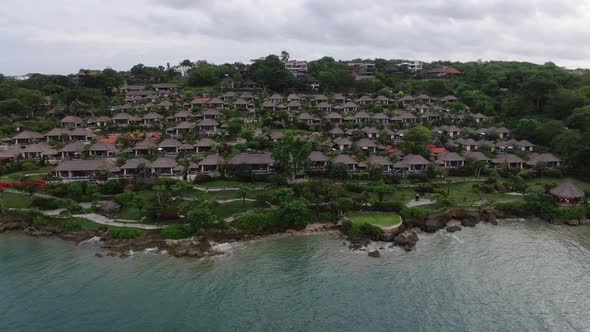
[197,246]
[202,245]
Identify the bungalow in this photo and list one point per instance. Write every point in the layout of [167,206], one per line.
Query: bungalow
[371,132]
[102,150]
[269,105]
[99,121]
[381,118]
[184,128]
[205,145]
[243,104]
[152,118]
[366,144]
[276,136]
[165,86]
[318,99]
[405,100]
[449,99]
[318,160]
[347,160]
[38,151]
[325,106]
[293,97]
[350,107]
[133,166]
[339,98]
[145,147]
[276,98]
[58,135]
[27,137]
[479,118]
[525,146]
[181,116]
[164,166]
[186,149]
[450,160]
[73,150]
[546,159]
[381,161]
[166,105]
[248,84]
[381,100]
[259,163]
[362,117]
[421,108]
[294,106]
[334,117]
[229,96]
[335,132]
[124,119]
[208,125]
[424,99]
[451,131]
[169,146]
[308,118]
[211,163]
[476,156]
[247,96]
[567,193]
[342,143]
[211,114]
[71,122]
[510,160]
[82,134]
[84,169]
[365,100]
[412,162]
[217,103]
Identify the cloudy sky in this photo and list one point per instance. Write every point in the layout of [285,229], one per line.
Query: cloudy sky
[61,36]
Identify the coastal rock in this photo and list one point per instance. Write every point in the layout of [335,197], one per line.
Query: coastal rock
[98,255]
[470,219]
[489,216]
[407,239]
[435,223]
[374,254]
[112,254]
[453,225]
[573,222]
[387,237]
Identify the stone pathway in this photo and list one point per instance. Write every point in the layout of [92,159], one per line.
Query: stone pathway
[99,219]
[420,202]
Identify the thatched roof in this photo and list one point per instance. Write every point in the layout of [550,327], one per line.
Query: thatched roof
[567,190]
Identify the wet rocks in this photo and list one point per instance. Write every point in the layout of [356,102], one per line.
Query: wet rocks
[489,216]
[406,240]
[435,222]
[453,226]
[374,254]
[99,255]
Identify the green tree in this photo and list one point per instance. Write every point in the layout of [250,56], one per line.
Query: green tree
[419,135]
[295,213]
[291,154]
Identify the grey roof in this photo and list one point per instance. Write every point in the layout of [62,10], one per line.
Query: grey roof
[86,165]
[71,118]
[211,160]
[379,160]
[164,163]
[135,163]
[567,190]
[27,134]
[318,156]
[543,157]
[57,132]
[507,158]
[170,143]
[475,155]
[450,156]
[74,147]
[205,142]
[100,146]
[345,159]
[208,122]
[252,159]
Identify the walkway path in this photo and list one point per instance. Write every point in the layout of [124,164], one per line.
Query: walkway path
[99,219]
[420,202]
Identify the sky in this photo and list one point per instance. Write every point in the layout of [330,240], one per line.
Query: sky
[62,36]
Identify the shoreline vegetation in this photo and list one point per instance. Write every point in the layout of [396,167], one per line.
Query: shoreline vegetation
[373,149]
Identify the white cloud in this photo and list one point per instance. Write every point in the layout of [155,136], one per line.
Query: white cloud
[61,36]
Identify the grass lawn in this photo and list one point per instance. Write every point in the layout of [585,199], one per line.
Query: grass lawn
[381,219]
[129,213]
[229,209]
[17,201]
[17,176]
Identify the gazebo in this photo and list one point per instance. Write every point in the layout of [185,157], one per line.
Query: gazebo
[568,193]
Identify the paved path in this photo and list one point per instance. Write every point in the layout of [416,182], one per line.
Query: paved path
[12,191]
[99,219]
[420,202]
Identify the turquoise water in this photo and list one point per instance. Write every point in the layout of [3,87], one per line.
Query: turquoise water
[519,276]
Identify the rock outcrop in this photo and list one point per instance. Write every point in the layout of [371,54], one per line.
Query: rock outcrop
[406,240]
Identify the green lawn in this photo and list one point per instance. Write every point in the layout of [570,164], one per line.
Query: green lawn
[381,219]
[231,184]
[24,174]
[229,209]
[17,201]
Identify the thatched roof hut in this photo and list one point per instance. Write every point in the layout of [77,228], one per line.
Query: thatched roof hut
[567,192]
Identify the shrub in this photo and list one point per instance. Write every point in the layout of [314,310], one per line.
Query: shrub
[512,208]
[175,232]
[414,213]
[388,206]
[258,222]
[125,233]
[361,230]
[424,188]
[573,213]
[71,225]
[49,203]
